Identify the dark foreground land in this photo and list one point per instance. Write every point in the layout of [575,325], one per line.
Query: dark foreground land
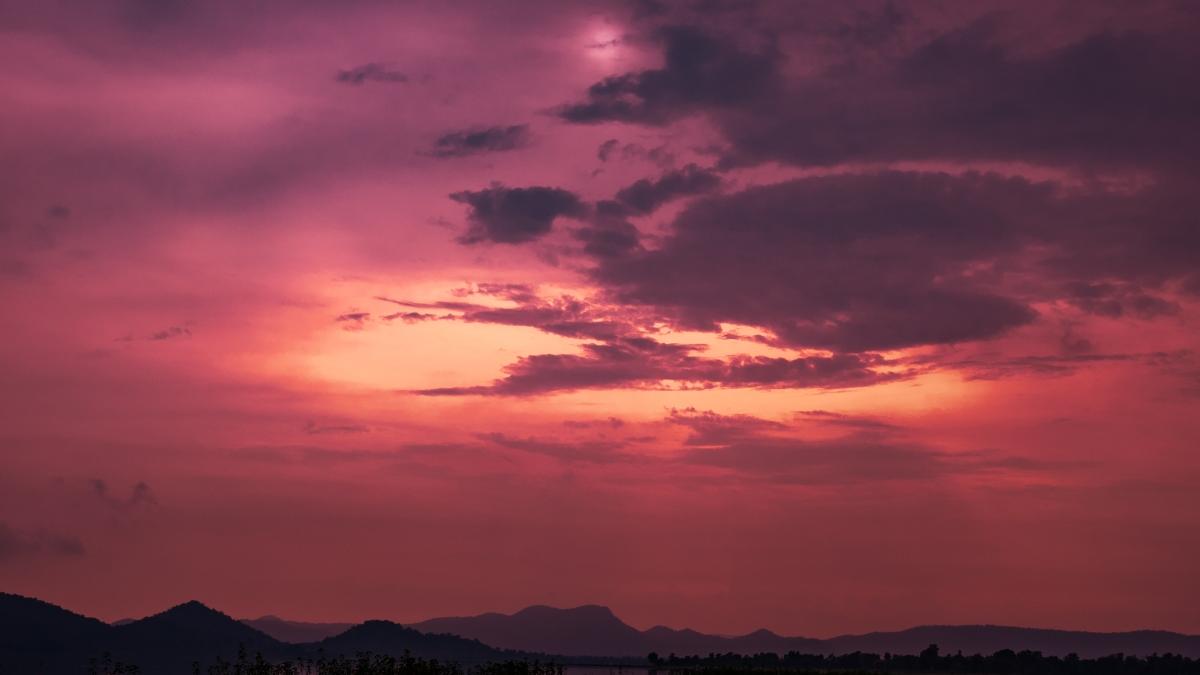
[930,661]
[38,638]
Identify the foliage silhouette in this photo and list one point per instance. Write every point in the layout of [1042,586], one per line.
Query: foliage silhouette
[366,663]
[1003,662]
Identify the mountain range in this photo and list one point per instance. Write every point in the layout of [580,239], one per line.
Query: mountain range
[593,630]
[38,637]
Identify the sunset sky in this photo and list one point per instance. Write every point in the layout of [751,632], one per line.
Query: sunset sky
[823,317]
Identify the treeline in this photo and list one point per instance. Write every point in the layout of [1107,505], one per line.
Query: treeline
[361,664]
[1004,662]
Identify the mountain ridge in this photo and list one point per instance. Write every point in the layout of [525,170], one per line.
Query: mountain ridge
[514,631]
[36,636]
[39,637]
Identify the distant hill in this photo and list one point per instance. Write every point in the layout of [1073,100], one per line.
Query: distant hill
[990,639]
[38,637]
[590,630]
[172,640]
[595,631]
[385,637]
[296,632]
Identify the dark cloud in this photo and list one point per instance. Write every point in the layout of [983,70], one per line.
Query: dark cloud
[140,495]
[855,262]
[601,452]
[611,423]
[371,72]
[168,333]
[522,293]
[710,428]
[700,71]
[994,366]
[1106,99]
[565,316]
[476,141]
[623,354]
[515,215]
[646,195]
[659,155]
[16,544]
[873,27]
[1117,300]
[353,321]
[608,233]
[826,417]
[413,317]
[849,263]
[171,332]
[641,362]
[770,451]
[312,427]
[606,149]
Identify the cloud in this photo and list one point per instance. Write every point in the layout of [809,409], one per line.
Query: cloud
[477,141]
[710,428]
[646,195]
[608,233]
[413,317]
[522,293]
[848,263]
[353,321]
[606,149]
[994,366]
[312,427]
[891,259]
[601,452]
[566,315]
[171,332]
[758,449]
[641,362]
[16,544]
[1117,300]
[701,71]
[611,423]
[1109,99]
[658,155]
[1104,99]
[506,215]
[623,353]
[873,28]
[140,495]
[826,417]
[371,72]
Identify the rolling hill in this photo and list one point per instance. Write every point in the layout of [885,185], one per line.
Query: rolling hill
[595,631]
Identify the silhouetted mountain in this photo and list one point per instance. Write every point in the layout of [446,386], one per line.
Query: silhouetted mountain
[37,636]
[596,631]
[172,640]
[296,632]
[385,637]
[590,630]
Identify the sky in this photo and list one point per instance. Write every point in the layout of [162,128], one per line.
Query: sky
[819,317]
